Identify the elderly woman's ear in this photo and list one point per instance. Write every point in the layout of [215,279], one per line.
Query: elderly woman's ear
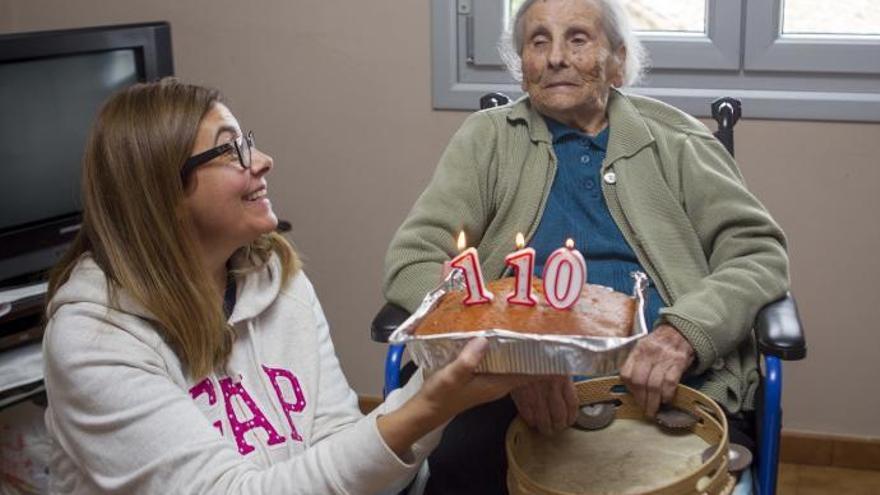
[618,77]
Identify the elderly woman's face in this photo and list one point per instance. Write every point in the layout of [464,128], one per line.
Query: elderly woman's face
[567,62]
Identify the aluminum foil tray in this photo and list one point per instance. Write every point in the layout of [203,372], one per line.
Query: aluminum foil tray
[515,352]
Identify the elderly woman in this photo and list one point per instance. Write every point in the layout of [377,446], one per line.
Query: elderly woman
[639,185]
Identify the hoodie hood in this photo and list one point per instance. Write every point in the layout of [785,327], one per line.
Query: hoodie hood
[88,284]
[256,290]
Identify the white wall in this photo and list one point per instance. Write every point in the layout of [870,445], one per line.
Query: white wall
[339,94]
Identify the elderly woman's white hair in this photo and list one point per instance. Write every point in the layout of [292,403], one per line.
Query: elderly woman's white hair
[615,23]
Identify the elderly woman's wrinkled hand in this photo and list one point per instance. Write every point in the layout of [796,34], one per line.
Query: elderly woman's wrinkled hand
[655,366]
[550,405]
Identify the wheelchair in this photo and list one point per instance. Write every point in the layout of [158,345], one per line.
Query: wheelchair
[777,328]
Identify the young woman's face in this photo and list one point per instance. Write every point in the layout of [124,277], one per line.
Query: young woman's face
[228,203]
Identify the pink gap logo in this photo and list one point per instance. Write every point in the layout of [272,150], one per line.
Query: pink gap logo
[288,392]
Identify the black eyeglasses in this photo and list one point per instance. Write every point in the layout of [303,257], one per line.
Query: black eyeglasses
[242,146]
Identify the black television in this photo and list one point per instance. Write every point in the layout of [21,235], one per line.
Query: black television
[52,84]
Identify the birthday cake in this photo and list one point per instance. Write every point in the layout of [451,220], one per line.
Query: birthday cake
[598,312]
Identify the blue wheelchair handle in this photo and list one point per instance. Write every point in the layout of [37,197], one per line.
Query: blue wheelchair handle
[392,368]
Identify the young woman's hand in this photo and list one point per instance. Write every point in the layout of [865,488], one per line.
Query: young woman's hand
[445,393]
[456,388]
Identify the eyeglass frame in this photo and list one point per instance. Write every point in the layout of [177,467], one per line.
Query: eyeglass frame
[195,161]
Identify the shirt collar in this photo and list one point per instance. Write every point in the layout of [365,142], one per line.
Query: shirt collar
[560,131]
[631,133]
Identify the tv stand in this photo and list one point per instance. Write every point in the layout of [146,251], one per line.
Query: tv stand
[21,330]
[25,320]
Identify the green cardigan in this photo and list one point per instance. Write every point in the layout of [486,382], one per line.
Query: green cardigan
[711,247]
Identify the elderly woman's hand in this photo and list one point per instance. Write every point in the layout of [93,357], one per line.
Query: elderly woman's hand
[654,367]
[549,404]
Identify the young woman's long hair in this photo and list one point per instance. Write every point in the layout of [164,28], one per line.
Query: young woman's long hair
[136,229]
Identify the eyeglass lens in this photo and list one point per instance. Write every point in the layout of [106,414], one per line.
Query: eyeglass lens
[244,146]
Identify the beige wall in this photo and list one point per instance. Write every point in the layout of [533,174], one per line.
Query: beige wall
[339,94]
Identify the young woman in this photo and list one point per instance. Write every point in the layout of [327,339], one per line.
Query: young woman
[186,352]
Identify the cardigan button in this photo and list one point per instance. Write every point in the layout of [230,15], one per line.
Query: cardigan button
[610,178]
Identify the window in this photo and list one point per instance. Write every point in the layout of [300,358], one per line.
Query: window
[847,18]
[788,59]
[659,16]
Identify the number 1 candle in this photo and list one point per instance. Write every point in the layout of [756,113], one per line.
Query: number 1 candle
[523,263]
[565,274]
[468,261]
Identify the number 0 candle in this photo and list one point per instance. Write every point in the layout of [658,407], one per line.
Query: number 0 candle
[468,261]
[564,276]
[523,262]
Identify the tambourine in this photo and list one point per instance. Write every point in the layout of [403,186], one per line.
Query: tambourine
[631,455]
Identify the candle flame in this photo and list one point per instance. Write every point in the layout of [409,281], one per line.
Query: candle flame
[520,240]
[569,243]
[461,241]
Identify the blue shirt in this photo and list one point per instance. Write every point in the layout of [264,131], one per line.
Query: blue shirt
[576,209]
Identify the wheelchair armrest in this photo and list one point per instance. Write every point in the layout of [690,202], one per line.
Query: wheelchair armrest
[386,322]
[779,331]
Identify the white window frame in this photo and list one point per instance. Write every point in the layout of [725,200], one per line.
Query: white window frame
[743,55]
[767,49]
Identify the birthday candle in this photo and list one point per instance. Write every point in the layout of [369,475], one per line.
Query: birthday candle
[523,262]
[468,261]
[565,274]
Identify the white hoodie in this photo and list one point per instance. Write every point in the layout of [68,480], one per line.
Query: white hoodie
[125,418]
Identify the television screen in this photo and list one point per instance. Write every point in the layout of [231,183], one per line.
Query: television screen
[52,84]
[48,106]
